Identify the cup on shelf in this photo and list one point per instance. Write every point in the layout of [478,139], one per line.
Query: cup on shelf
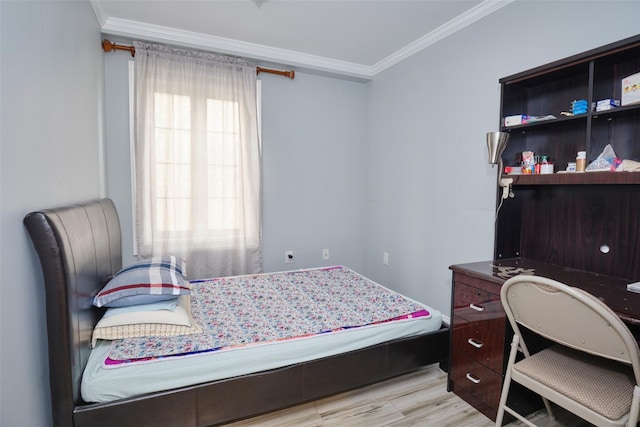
[546,168]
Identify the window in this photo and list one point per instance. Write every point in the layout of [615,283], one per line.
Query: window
[176,160]
[197,161]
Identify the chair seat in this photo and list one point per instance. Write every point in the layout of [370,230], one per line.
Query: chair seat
[603,386]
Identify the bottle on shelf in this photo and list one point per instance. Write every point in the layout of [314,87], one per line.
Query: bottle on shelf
[581,161]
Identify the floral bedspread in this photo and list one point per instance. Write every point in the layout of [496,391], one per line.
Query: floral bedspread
[256,309]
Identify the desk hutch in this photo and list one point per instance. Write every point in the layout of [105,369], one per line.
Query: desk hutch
[579,228]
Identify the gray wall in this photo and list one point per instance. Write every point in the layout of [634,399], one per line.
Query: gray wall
[313,179]
[391,147]
[51,80]
[430,191]
[313,170]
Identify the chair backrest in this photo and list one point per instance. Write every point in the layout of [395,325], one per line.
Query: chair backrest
[568,316]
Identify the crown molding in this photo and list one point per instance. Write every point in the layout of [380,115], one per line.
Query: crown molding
[98,10]
[458,23]
[155,33]
[173,36]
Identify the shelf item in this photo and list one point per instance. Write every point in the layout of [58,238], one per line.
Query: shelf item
[631,89]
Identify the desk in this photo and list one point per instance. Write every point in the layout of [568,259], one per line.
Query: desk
[480,335]
[610,290]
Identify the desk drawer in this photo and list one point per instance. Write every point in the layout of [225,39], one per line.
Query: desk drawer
[476,384]
[479,306]
[478,344]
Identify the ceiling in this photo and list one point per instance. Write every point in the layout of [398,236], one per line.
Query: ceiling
[357,38]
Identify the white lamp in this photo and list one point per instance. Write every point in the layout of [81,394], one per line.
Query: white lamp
[496,143]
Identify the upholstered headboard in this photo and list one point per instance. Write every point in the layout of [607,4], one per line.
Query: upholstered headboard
[79,249]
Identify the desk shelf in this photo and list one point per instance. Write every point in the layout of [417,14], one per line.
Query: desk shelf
[578,178]
[565,218]
[550,89]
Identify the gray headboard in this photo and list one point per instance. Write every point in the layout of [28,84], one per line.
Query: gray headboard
[79,249]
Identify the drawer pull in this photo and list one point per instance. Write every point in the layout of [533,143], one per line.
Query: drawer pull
[476,307]
[472,378]
[476,344]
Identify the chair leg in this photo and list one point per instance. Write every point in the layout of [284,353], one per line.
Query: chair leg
[507,380]
[548,407]
[635,407]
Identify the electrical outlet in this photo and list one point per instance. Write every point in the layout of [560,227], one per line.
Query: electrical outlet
[325,254]
[288,257]
[385,258]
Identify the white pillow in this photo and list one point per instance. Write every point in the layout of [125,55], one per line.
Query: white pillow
[145,323]
[169,305]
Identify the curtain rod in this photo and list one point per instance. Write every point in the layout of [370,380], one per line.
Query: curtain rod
[109,46]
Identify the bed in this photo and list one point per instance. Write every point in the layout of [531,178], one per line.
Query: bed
[79,250]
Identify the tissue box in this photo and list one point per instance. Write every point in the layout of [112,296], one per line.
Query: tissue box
[631,89]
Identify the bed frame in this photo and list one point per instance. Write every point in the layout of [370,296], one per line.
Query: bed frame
[79,249]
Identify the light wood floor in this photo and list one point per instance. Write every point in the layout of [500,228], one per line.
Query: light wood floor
[416,399]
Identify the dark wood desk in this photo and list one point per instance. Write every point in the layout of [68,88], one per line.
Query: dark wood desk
[611,290]
[480,334]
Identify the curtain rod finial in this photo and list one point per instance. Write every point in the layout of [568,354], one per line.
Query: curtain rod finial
[107,46]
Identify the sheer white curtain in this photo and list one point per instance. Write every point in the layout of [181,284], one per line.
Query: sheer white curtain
[197,160]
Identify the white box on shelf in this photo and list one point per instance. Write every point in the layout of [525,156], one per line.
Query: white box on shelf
[515,120]
[631,89]
[605,107]
[607,104]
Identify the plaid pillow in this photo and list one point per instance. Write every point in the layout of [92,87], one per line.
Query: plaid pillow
[157,279]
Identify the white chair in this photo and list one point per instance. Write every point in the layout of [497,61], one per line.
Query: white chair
[592,369]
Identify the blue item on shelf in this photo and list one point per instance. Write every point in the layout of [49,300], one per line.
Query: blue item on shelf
[579,106]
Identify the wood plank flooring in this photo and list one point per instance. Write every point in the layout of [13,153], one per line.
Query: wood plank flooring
[416,399]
